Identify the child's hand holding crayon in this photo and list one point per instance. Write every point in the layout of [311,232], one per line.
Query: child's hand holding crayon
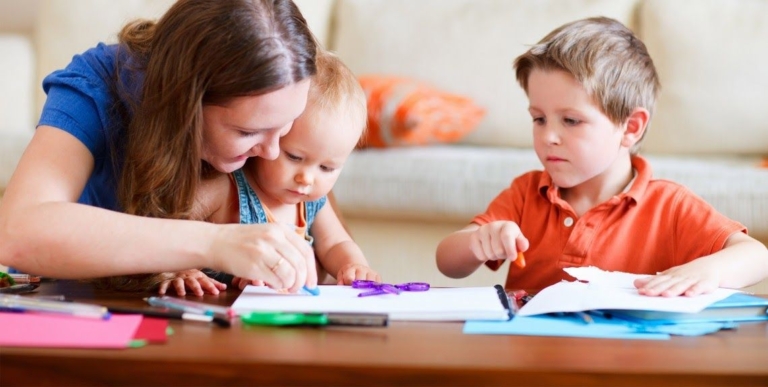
[499,240]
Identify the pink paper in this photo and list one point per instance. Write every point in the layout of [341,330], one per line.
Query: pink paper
[55,331]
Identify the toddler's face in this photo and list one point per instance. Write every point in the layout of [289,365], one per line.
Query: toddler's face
[572,137]
[311,157]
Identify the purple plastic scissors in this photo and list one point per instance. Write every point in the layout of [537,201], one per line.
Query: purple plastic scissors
[378,288]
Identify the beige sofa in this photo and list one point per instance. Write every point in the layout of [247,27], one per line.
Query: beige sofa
[709,132]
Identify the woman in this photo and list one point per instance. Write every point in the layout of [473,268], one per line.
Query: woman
[128,131]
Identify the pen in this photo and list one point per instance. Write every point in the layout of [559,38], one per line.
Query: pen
[19,289]
[582,316]
[207,308]
[318,319]
[27,304]
[172,314]
[173,304]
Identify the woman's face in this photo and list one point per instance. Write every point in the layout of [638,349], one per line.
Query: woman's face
[250,126]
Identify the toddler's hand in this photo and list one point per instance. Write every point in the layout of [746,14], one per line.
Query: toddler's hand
[195,280]
[692,279]
[242,282]
[356,271]
[498,240]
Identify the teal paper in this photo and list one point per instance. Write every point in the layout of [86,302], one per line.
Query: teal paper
[601,328]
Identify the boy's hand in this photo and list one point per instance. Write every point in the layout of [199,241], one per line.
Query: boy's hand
[498,240]
[692,279]
[356,271]
[242,282]
[195,280]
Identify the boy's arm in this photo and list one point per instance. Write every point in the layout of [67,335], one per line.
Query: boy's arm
[743,261]
[334,247]
[454,256]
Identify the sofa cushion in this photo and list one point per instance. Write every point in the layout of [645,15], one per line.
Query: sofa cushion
[462,46]
[714,85]
[66,28]
[17,65]
[454,183]
[407,112]
[318,15]
[12,145]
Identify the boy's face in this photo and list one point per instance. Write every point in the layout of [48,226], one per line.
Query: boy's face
[572,137]
[311,157]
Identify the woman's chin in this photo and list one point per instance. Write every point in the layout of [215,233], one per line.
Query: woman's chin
[229,167]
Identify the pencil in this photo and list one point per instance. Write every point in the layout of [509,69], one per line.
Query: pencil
[520,260]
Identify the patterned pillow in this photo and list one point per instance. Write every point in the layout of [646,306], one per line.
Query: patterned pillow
[406,112]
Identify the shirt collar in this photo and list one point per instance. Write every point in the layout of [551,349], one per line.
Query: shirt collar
[634,190]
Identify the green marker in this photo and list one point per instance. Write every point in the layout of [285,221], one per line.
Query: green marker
[316,319]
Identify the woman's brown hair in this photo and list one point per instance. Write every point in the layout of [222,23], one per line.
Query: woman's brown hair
[200,52]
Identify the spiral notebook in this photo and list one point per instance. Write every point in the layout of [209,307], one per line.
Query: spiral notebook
[436,304]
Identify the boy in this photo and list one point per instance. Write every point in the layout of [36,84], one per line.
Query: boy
[592,87]
[292,189]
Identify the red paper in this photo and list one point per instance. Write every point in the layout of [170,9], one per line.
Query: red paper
[153,330]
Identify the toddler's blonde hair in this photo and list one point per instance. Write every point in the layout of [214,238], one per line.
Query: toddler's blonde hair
[335,88]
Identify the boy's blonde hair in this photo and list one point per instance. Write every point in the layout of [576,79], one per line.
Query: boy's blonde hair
[609,61]
[335,88]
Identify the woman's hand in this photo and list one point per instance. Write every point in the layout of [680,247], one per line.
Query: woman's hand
[356,271]
[195,280]
[272,253]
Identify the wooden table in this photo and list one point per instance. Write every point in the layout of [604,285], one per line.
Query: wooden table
[404,354]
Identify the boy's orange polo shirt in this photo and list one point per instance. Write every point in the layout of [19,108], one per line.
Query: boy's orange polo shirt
[651,227]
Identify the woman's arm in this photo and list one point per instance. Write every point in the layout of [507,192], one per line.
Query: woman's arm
[44,231]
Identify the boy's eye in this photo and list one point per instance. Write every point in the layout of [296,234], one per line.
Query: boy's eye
[571,121]
[292,157]
[247,134]
[538,120]
[327,169]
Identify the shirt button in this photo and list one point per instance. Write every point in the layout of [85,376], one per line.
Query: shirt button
[568,222]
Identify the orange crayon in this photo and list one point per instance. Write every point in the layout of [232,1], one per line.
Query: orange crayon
[520,260]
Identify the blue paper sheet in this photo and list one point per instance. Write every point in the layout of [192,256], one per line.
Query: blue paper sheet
[542,325]
[601,327]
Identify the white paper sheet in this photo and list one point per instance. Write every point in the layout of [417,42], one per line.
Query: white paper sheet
[436,304]
[611,290]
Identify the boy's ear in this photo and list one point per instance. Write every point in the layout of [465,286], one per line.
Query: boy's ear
[635,127]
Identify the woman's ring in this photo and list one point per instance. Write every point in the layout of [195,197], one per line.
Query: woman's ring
[276,265]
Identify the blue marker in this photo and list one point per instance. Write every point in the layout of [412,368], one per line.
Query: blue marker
[313,292]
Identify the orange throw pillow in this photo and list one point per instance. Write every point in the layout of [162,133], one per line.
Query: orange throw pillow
[405,112]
